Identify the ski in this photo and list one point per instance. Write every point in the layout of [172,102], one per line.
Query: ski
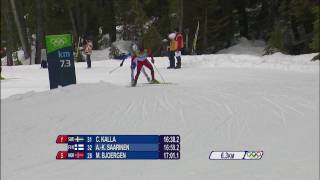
[152,84]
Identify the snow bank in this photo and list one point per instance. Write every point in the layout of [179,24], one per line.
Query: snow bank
[122,46]
[20,54]
[244,46]
[22,79]
[279,61]
[100,55]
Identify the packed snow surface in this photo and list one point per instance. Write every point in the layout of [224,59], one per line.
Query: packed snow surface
[223,102]
[245,46]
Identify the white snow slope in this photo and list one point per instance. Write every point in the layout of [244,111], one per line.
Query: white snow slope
[216,102]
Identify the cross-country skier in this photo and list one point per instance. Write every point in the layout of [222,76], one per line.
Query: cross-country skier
[141,57]
[134,64]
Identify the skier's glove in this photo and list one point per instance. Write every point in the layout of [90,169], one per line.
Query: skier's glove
[152,60]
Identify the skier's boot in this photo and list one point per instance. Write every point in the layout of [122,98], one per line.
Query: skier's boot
[133,83]
[178,66]
[170,67]
[154,81]
[148,79]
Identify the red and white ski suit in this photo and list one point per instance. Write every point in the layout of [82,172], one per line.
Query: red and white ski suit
[142,60]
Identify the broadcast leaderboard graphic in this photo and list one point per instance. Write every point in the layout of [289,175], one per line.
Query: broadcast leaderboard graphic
[119,147]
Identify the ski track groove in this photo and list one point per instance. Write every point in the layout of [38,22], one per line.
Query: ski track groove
[280,111]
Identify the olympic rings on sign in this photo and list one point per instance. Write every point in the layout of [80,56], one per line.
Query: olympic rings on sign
[254,154]
[58,42]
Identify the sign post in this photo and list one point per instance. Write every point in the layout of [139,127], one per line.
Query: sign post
[60,60]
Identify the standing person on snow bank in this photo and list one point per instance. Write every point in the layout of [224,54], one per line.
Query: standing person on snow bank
[179,46]
[141,56]
[134,64]
[176,45]
[88,51]
[172,48]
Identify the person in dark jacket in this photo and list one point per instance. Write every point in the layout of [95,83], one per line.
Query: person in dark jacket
[88,51]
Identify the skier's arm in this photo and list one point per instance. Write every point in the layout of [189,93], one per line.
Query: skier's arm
[125,57]
[121,64]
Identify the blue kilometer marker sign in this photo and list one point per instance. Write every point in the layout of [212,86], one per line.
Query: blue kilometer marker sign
[60,60]
[120,147]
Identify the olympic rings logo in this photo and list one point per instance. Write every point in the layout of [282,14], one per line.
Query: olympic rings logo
[254,155]
[58,42]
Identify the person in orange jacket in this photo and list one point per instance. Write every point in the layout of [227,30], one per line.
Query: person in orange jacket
[179,46]
[175,47]
[172,49]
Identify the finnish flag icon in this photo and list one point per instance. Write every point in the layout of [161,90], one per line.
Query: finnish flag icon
[79,147]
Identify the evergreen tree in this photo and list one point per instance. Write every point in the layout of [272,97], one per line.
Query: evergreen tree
[315,44]
[290,26]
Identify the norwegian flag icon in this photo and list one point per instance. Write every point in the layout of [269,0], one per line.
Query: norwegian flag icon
[79,155]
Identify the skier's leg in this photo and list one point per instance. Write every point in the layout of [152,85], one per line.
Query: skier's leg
[139,66]
[132,67]
[145,74]
[132,74]
[88,61]
[149,66]
[178,56]
[171,60]
[179,61]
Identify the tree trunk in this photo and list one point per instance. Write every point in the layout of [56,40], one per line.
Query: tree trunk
[181,16]
[73,23]
[24,27]
[78,17]
[9,35]
[40,31]
[85,23]
[205,30]
[243,21]
[113,32]
[187,41]
[19,28]
[195,40]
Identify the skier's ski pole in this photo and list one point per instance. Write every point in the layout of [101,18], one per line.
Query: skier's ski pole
[113,70]
[121,64]
[159,73]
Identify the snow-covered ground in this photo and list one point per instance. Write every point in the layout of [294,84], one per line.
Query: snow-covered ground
[215,102]
[244,46]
